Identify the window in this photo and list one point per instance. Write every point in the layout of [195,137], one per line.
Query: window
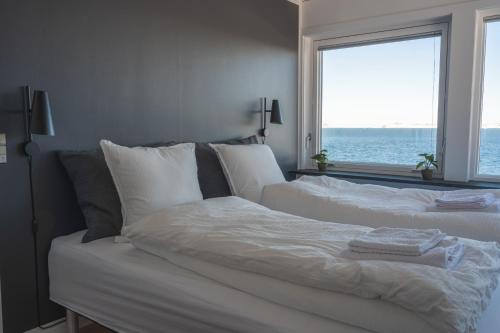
[489,147]
[380,98]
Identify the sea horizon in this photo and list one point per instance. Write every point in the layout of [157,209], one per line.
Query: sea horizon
[400,145]
[400,127]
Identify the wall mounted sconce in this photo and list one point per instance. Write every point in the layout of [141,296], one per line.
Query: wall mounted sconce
[275,116]
[37,120]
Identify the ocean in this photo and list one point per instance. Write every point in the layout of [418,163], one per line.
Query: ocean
[400,146]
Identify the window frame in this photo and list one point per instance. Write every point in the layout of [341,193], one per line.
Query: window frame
[394,35]
[483,18]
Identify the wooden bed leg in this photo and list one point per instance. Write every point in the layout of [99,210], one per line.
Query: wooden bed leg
[72,321]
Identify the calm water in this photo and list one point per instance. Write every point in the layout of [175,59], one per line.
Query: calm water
[400,146]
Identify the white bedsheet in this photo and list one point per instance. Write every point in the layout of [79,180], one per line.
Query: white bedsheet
[329,199]
[103,281]
[129,290]
[236,233]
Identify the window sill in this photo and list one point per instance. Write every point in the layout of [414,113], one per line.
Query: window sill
[396,179]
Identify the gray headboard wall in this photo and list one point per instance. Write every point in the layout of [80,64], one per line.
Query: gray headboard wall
[134,72]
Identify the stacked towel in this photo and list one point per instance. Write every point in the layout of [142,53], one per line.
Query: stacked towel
[409,242]
[494,208]
[427,247]
[446,254]
[465,200]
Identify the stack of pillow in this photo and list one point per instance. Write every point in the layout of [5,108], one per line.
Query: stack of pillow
[119,185]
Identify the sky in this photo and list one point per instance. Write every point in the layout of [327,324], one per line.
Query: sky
[396,84]
[491,97]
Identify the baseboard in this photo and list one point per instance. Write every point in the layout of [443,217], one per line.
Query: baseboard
[60,328]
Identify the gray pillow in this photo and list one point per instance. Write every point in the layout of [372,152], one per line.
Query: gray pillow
[95,192]
[97,195]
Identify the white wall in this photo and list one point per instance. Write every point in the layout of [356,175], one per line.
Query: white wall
[337,18]
[321,12]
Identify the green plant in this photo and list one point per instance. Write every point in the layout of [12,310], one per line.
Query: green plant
[322,157]
[427,162]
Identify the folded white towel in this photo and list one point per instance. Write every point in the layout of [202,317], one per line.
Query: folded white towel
[476,205]
[411,242]
[494,208]
[446,254]
[466,197]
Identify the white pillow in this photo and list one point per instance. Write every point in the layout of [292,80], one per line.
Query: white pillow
[248,168]
[151,179]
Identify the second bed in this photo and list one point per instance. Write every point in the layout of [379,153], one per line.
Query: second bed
[330,199]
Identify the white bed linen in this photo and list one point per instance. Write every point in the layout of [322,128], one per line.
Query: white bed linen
[129,290]
[375,315]
[329,199]
[372,314]
[239,234]
[92,278]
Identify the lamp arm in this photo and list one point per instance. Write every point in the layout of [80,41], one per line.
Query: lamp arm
[263,117]
[27,112]
[30,147]
[263,106]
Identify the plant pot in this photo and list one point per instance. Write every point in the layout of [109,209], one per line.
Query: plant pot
[322,166]
[427,174]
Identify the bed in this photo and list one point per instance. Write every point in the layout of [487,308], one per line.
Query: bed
[129,290]
[231,265]
[329,199]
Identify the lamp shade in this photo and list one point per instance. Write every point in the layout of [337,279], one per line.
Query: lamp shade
[41,114]
[276,113]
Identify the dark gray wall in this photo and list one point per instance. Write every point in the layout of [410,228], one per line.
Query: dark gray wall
[133,71]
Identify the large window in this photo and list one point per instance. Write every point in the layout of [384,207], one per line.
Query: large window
[380,98]
[489,148]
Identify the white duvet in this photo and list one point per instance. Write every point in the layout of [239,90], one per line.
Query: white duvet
[329,199]
[236,233]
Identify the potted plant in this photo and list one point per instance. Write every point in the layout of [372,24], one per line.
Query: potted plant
[426,165]
[321,159]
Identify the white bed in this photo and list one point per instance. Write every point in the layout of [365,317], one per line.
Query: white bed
[329,199]
[129,290]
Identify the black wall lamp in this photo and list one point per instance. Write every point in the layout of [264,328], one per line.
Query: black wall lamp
[275,116]
[37,120]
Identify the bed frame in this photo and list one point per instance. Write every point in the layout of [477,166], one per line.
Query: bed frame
[72,321]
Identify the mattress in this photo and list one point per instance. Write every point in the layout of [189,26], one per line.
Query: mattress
[129,290]
[329,199]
